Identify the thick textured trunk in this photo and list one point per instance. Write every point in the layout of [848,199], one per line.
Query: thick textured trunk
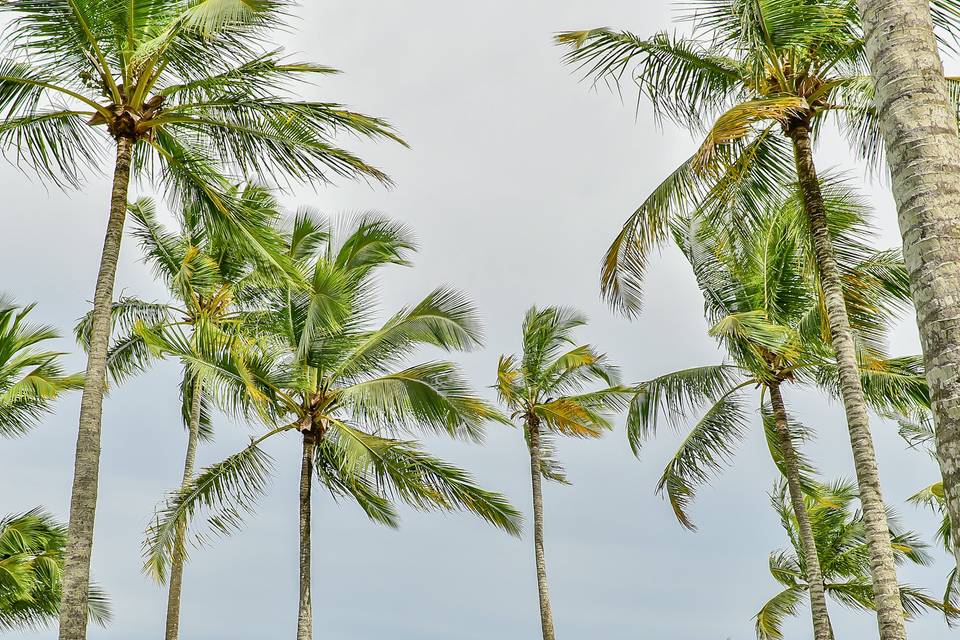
[546,617]
[176,563]
[919,127]
[305,612]
[818,599]
[86,471]
[886,592]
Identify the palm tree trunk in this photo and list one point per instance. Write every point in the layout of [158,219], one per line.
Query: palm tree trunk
[86,471]
[546,617]
[822,630]
[919,127]
[890,613]
[305,613]
[176,563]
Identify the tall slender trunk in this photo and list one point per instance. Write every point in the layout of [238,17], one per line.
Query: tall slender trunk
[890,613]
[546,617]
[305,612]
[919,126]
[86,470]
[175,591]
[822,629]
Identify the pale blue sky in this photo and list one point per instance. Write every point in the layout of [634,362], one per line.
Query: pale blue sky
[517,179]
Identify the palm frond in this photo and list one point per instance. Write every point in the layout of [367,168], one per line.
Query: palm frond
[676,394]
[704,451]
[422,481]
[684,80]
[770,618]
[230,489]
[432,396]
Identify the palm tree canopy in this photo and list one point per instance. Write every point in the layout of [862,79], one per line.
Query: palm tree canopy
[748,70]
[31,558]
[207,279]
[31,377]
[559,386]
[325,368]
[764,305]
[841,546]
[196,86]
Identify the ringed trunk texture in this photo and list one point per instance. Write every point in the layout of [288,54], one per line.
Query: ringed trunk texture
[305,612]
[546,617]
[919,127]
[890,614]
[822,630]
[175,591]
[86,471]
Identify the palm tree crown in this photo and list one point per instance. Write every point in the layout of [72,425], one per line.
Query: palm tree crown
[546,387]
[842,550]
[763,300]
[747,72]
[192,85]
[31,554]
[326,371]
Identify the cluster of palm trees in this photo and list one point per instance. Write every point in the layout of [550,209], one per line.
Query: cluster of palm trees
[272,317]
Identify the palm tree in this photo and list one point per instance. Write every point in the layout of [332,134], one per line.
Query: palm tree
[839,533]
[181,90]
[546,387]
[327,373]
[757,78]
[31,377]
[762,298]
[31,557]
[204,277]
[918,119]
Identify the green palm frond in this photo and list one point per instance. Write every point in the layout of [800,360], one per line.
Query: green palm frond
[229,489]
[337,470]
[770,618]
[840,539]
[31,376]
[684,81]
[509,382]
[432,396]
[545,333]
[742,179]
[445,318]
[369,241]
[676,394]
[31,565]
[420,480]
[705,450]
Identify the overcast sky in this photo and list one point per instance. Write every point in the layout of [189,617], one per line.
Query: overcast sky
[518,178]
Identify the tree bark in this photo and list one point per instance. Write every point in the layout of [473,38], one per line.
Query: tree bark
[83,497]
[175,591]
[890,614]
[919,126]
[305,613]
[822,630]
[546,617]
